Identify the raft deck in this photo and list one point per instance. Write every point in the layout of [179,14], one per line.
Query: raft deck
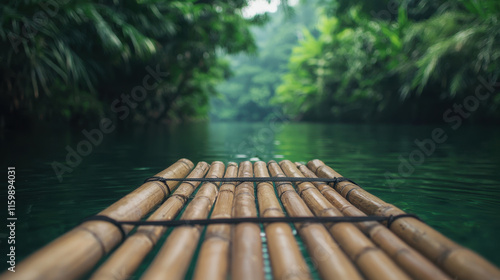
[230,221]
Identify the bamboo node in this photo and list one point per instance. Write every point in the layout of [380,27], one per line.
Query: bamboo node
[391,219]
[281,195]
[109,220]
[278,184]
[190,183]
[364,251]
[343,187]
[306,189]
[349,192]
[272,209]
[159,179]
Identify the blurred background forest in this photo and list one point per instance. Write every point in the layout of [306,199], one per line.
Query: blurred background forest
[74,62]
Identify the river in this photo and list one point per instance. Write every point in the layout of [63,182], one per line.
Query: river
[452,181]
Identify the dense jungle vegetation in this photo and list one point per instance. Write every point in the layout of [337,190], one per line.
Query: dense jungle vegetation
[75,61]
[405,62]
[326,60]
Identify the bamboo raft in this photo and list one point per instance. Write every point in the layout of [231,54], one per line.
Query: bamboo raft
[392,245]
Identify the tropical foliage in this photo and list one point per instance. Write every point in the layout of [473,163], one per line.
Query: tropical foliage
[73,61]
[247,94]
[331,60]
[402,61]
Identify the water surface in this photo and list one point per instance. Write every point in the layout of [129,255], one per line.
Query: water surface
[455,189]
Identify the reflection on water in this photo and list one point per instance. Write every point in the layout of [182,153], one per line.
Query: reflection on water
[456,189]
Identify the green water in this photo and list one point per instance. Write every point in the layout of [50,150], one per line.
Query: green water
[456,189]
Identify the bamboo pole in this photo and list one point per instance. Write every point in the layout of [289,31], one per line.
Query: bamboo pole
[416,265]
[246,254]
[172,261]
[372,261]
[127,258]
[456,260]
[330,260]
[286,259]
[213,259]
[77,251]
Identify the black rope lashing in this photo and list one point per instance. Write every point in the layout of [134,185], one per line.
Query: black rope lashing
[341,179]
[112,221]
[160,179]
[334,180]
[204,222]
[391,219]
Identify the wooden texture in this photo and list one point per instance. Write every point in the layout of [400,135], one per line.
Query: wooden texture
[416,265]
[76,252]
[127,258]
[246,253]
[213,259]
[372,261]
[173,259]
[286,260]
[408,249]
[459,262]
[329,259]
